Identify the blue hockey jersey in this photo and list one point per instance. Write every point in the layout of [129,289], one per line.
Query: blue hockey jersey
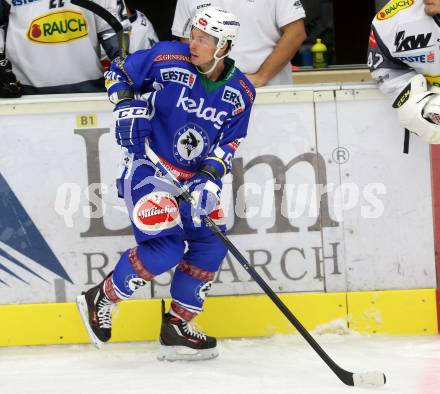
[195,121]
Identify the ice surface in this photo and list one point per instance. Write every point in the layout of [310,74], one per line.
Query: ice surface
[280,364]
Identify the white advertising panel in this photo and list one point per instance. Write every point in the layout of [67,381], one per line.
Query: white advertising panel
[305,217]
[389,242]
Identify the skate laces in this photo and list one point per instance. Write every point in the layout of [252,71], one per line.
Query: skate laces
[104,312]
[192,330]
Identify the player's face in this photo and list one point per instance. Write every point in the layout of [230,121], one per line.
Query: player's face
[202,47]
[432,7]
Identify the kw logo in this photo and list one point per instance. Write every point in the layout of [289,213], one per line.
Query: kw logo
[19,234]
[409,43]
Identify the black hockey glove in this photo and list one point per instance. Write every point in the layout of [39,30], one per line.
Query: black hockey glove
[9,86]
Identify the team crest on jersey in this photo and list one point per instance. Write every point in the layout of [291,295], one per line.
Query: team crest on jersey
[190,144]
[202,291]
[58,27]
[134,283]
[392,8]
[178,75]
[234,97]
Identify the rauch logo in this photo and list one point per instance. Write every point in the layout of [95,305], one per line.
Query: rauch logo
[58,27]
[393,8]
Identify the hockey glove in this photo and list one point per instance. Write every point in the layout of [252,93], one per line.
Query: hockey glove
[419,110]
[206,194]
[9,86]
[132,125]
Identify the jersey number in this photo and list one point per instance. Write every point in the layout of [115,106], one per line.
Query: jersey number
[374,60]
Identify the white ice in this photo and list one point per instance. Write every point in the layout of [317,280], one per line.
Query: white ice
[280,364]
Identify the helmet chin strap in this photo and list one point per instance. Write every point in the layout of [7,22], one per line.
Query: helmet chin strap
[216,60]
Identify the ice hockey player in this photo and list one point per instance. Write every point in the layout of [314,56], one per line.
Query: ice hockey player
[193,106]
[52,46]
[404,60]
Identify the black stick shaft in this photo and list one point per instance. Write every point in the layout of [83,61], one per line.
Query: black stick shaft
[345,376]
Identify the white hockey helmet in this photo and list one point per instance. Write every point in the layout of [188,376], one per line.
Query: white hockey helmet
[219,23]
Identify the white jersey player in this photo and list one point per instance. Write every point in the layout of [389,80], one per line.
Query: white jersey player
[54,46]
[404,60]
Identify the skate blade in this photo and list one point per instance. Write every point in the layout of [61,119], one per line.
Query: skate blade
[177,353]
[81,303]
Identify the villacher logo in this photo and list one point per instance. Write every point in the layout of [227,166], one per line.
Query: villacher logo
[18,233]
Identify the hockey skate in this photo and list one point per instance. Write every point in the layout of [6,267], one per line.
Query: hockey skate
[96,313]
[180,340]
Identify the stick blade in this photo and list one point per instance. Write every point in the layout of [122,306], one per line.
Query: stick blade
[369,379]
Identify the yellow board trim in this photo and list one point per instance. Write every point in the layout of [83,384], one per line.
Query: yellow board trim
[399,312]
[393,312]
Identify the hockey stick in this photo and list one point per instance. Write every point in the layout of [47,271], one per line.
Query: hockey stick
[367,379]
[108,17]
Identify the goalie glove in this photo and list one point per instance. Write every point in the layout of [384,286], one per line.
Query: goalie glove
[418,110]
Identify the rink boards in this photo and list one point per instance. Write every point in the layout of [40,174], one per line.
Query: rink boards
[394,312]
[321,200]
